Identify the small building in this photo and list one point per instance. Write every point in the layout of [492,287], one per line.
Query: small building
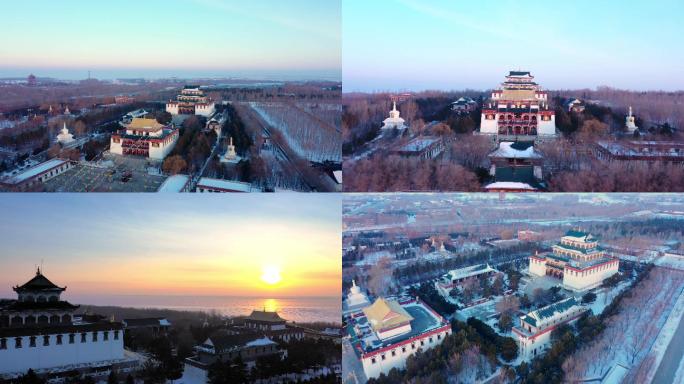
[577,260]
[575,105]
[515,161]
[36,175]
[215,123]
[158,325]
[226,346]
[458,277]
[207,184]
[463,105]
[527,235]
[386,333]
[393,121]
[425,147]
[533,334]
[144,137]
[128,118]
[191,101]
[124,99]
[175,184]
[641,151]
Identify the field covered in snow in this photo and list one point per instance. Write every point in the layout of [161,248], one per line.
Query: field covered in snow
[310,134]
[630,335]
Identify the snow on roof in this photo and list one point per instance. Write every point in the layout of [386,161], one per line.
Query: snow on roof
[508,149]
[418,144]
[509,185]
[174,183]
[338,176]
[260,342]
[35,171]
[473,270]
[229,185]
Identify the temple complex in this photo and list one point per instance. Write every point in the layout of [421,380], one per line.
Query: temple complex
[144,137]
[191,101]
[40,331]
[386,333]
[577,260]
[393,121]
[518,109]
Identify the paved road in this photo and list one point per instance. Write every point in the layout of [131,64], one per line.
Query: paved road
[673,356]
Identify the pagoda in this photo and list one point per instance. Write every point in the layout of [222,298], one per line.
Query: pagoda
[393,121]
[519,109]
[64,136]
[630,123]
[191,101]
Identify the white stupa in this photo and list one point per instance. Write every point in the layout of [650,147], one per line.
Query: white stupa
[356,298]
[394,121]
[67,111]
[64,137]
[629,122]
[230,156]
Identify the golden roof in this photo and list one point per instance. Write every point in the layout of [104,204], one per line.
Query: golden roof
[385,314]
[145,123]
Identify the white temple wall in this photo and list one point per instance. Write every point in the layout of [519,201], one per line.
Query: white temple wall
[159,153]
[537,268]
[42,357]
[204,110]
[488,126]
[395,332]
[172,109]
[115,147]
[547,127]
[592,278]
[399,359]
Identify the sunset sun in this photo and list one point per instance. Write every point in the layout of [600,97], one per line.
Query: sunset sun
[271,275]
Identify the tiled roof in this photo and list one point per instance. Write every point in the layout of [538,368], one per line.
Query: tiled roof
[38,283]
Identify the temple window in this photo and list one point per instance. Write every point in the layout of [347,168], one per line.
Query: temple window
[83,337]
[59,339]
[105,336]
[116,335]
[373,361]
[46,340]
[3,343]
[32,341]
[17,342]
[382,357]
[72,338]
[95,336]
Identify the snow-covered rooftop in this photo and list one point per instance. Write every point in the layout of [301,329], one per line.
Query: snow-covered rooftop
[419,144]
[174,183]
[509,149]
[509,185]
[260,342]
[229,185]
[35,171]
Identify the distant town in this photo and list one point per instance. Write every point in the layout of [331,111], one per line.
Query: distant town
[169,135]
[517,138]
[513,288]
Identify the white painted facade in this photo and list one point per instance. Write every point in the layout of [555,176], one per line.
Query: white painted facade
[13,359]
[396,355]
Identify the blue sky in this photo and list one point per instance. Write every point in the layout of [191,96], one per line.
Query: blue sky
[457,44]
[172,244]
[166,37]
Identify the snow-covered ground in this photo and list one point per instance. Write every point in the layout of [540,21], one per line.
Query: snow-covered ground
[671,261]
[634,332]
[665,336]
[309,137]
